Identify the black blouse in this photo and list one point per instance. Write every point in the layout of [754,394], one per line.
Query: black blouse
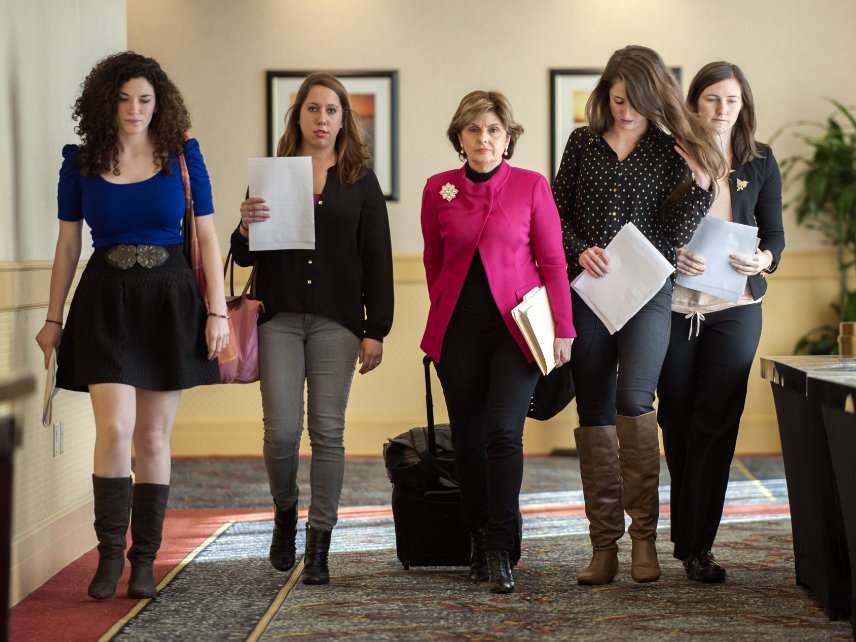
[348,276]
[596,194]
[756,199]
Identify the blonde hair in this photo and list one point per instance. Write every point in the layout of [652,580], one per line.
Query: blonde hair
[479,102]
[353,154]
[654,93]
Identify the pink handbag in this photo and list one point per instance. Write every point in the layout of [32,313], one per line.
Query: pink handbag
[238,361]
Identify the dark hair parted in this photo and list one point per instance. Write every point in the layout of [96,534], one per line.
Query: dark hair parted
[473,105]
[743,141]
[96,109]
[654,93]
[353,154]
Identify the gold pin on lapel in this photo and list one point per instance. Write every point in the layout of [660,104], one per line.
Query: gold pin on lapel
[741,184]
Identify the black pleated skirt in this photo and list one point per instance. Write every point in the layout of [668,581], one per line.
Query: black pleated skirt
[144,327]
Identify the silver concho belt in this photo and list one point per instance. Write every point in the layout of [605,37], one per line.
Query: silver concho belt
[125,256]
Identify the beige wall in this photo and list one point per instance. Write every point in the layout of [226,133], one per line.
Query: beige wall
[218,51]
[47,49]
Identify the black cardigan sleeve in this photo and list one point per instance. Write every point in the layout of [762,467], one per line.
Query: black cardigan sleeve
[240,247]
[768,211]
[376,253]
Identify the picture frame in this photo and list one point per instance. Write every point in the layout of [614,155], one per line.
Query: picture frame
[374,100]
[569,91]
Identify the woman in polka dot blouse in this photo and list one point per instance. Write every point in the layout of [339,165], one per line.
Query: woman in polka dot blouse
[623,167]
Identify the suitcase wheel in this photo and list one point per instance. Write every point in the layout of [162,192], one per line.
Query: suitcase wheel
[406,566]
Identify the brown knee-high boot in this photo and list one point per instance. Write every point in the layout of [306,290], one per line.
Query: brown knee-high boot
[639,452]
[601,476]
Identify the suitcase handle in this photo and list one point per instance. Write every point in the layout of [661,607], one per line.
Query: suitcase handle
[429,407]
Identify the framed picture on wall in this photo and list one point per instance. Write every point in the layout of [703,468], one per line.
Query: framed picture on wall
[569,91]
[374,100]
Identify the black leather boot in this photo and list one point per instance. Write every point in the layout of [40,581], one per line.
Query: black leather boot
[315,570]
[146,529]
[112,512]
[478,555]
[499,569]
[282,547]
[702,567]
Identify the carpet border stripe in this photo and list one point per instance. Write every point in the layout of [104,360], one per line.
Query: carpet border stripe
[169,577]
[267,618]
[739,465]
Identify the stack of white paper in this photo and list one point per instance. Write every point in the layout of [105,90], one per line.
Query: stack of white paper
[286,184]
[535,319]
[716,240]
[637,271]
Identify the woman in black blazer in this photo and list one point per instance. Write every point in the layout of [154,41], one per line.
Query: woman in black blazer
[702,385]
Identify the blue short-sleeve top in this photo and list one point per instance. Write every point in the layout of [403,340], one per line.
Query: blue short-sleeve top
[145,213]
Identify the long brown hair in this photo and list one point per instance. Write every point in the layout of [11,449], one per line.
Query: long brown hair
[743,133]
[654,93]
[353,154]
[95,112]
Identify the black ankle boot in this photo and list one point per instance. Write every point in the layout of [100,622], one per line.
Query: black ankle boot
[112,511]
[315,570]
[499,569]
[702,567]
[478,557]
[282,547]
[146,529]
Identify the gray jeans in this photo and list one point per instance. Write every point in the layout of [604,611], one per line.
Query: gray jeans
[294,348]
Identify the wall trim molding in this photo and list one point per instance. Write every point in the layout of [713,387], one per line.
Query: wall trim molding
[40,552]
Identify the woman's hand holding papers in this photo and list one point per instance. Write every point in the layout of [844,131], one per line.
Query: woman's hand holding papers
[253,210]
[595,261]
[562,351]
[751,265]
[689,263]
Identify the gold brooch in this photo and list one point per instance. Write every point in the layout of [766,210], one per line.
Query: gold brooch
[741,184]
[448,191]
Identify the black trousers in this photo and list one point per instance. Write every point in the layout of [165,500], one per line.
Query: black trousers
[636,351]
[702,391]
[487,384]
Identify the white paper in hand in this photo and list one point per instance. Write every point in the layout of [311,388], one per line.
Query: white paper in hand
[637,271]
[286,184]
[50,391]
[716,240]
[535,319]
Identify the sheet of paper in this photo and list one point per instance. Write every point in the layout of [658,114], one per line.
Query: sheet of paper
[50,391]
[286,184]
[716,240]
[637,271]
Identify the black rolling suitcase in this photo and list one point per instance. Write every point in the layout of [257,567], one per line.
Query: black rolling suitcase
[426,499]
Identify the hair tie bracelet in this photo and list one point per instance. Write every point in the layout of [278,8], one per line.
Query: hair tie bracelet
[219,316]
[59,323]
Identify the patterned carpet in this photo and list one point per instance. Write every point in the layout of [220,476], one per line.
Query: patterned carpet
[229,591]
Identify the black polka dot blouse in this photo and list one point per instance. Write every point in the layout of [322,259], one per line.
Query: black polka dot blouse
[596,194]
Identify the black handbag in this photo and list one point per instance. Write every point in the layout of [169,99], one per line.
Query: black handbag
[552,393]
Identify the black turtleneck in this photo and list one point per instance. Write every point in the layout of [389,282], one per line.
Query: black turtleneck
[479,177]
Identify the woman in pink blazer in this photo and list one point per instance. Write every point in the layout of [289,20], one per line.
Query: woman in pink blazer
[492,233]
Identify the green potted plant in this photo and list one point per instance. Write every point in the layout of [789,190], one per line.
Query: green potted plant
[825,201]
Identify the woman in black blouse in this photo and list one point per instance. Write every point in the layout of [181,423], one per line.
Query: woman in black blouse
[324,310]
[702,386]
[623,167]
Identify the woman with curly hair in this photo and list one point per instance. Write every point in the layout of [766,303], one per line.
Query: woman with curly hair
[325,309]
[137,331]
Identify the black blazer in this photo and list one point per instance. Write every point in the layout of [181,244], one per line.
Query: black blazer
[756,199]
[348,276]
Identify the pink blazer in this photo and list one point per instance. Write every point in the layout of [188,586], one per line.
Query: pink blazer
[513,222]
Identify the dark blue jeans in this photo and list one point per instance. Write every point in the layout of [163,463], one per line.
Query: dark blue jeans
[636,352]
